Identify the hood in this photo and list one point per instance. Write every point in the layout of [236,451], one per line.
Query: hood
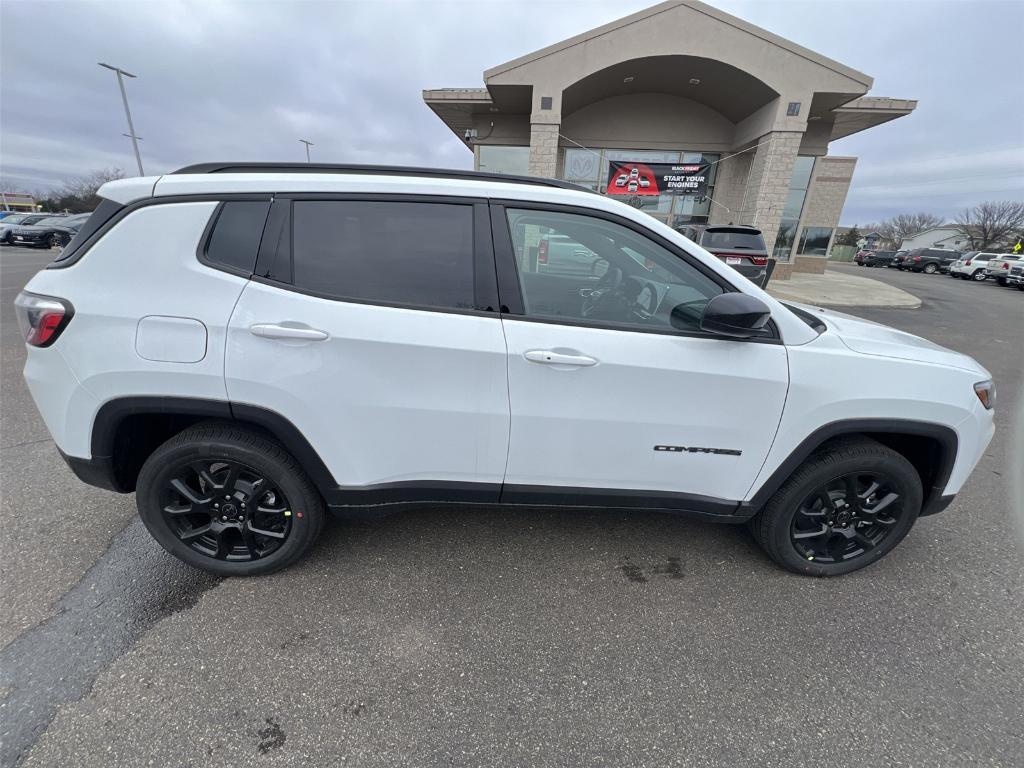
[868,338]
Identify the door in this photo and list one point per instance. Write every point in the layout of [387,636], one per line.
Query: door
[615,392]
[369,327]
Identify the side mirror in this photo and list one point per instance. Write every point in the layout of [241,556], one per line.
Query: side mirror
[737,315]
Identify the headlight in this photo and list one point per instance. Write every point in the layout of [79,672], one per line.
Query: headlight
[986,392]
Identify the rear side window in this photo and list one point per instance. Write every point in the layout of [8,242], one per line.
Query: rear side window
[419,254]
[235,239]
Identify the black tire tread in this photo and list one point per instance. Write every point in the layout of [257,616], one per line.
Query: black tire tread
[221,432]
[831,454]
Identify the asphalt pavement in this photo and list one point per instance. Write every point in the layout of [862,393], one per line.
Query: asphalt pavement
[526,638]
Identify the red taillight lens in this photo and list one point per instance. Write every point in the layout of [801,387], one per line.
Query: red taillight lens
[41,318]
[917,258]
[967,263]
[759,260]
[1005,265]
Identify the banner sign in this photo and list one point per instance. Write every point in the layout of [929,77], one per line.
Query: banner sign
[625,178]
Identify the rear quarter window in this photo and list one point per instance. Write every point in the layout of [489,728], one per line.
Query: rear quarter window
[234,240]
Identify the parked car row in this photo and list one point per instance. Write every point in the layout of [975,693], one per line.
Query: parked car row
[41,230]
[980,265]
[1004,268]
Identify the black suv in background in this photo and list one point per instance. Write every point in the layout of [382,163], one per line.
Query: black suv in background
[929,260]
[742,248]
[879,258]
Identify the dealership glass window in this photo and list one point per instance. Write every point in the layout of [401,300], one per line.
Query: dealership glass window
[589,168]
[501,159]
[798,184]
[814,241]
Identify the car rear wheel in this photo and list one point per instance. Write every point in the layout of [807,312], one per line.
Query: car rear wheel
[979,275]
[930,269]
[229,501]
[845,508]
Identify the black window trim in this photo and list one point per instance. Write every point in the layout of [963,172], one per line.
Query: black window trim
[485,283]
[510,289]
[204,241]
[119,212]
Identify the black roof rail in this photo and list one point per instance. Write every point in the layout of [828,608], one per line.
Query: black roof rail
[376,170]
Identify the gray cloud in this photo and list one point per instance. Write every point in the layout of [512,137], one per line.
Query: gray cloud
[246,80]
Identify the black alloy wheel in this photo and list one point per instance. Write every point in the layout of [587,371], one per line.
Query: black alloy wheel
[848,505]
[55,241]
[846,517]
[226,510]
[228,499]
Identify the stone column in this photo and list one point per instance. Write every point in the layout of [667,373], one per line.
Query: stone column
[544,145]
[771,171]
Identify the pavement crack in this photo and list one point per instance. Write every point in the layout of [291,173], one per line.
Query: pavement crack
[126,591]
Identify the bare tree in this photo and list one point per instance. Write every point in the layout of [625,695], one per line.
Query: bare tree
[905,225]
[992,224]
[79,195]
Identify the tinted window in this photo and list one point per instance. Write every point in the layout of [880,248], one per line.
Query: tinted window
[585,269]
[235,239]
[716,238]
[401,253]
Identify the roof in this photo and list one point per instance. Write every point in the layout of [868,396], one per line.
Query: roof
[698,7]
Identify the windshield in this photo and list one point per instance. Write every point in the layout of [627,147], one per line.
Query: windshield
[49,222]
[16,219]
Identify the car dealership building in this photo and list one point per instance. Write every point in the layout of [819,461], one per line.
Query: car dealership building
[682,85]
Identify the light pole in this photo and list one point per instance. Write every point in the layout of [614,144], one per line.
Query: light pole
[121,74]
[308,145]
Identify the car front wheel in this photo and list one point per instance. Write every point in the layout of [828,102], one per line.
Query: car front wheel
[229,501]
[845,508]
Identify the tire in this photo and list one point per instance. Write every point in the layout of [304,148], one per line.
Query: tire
[776,524]
[297,519]
[1001,281]
[930,269]
[979,276]
[55,241]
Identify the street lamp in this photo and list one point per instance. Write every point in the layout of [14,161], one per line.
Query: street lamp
[308,145]
[121,74]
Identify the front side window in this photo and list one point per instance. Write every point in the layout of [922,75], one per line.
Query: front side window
[580,268]
[417,254]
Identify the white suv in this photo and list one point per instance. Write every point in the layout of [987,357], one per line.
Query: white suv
[247,346]
[972,266]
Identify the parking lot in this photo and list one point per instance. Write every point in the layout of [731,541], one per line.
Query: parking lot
[531,637]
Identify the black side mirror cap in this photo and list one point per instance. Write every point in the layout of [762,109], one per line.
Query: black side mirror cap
[737,315]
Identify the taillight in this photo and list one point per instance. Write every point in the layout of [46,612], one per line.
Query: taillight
[1006,265]
[542,252]
[42,318]
[967,263]
[917,258]
[759,260]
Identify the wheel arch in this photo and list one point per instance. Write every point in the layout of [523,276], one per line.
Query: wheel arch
[127,430]
[931,448]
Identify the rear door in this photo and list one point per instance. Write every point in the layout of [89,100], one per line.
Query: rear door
[612,400]
[371,326]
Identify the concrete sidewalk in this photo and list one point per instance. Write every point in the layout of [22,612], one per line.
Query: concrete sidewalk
[839,289]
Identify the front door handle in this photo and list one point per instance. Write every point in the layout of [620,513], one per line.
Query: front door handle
[550,357]
[274,331]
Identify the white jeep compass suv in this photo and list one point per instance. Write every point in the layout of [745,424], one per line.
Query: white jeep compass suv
[246,346]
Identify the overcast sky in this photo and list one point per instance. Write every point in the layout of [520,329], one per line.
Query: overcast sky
[246,80]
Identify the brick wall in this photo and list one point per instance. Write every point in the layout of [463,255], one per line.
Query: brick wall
[543,149]
[827,193]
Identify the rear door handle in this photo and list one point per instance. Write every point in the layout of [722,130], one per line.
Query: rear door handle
[549,357]
[273,331]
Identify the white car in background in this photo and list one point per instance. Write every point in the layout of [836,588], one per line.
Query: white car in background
[971,266]
[999,265]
